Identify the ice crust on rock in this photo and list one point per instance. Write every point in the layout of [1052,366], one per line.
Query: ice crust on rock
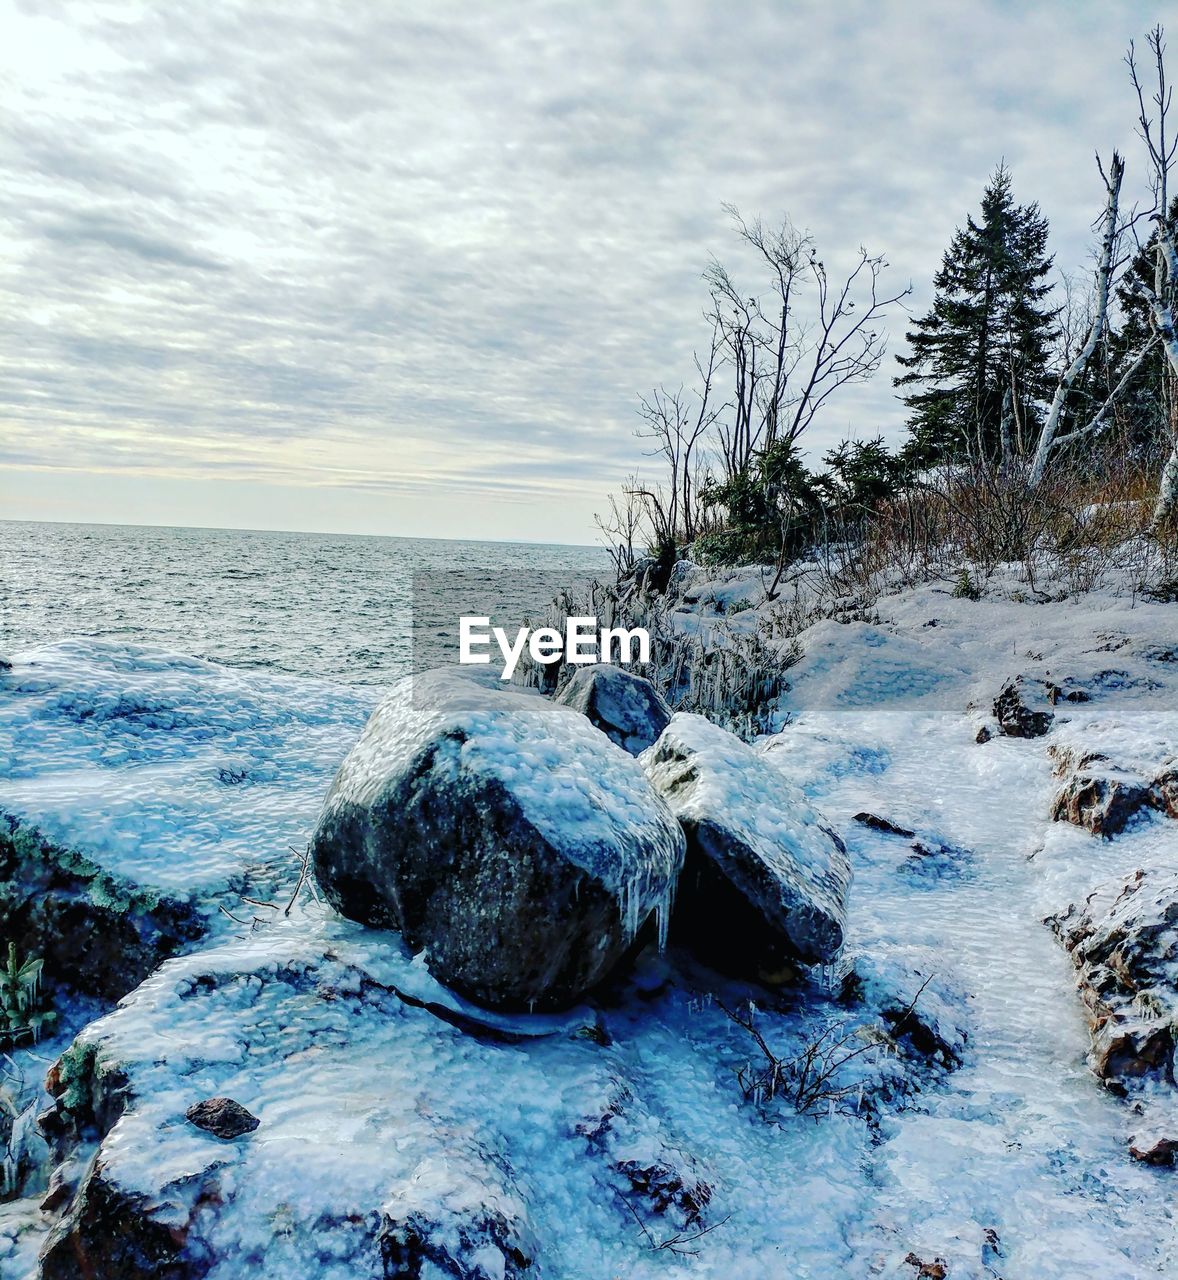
[627,708]
[1124,943]
[766,878]
[503,834]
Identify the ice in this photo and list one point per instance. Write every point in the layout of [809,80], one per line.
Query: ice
[1015,1163]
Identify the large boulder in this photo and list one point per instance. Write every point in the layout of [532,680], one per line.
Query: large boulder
[765,880]
[627,708]
[504,835]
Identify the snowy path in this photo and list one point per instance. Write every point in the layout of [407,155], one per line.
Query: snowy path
[1013,1165]
[1021,1139]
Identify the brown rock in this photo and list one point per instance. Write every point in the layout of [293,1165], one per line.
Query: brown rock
[1163,790]
[1016,719]
[222,1117]
[1124,943]
[1154,1150]
[1103,803]
[937,1269]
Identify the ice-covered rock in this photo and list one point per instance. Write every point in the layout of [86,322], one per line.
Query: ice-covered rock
[505,836]
[1163,789]
[1022,709]
[766,878]
[653,1167]
[921,1006]
[627,708]
[1124,943]
[458,1216]
[97,932]
[1101,798]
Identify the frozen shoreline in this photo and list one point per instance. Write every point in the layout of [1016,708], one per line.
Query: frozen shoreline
[198,778]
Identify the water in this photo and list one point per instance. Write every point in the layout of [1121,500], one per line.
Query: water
[331,605]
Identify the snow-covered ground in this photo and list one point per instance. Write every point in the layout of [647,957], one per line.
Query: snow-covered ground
[378,1099]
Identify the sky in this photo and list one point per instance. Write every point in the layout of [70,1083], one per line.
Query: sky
[406,268]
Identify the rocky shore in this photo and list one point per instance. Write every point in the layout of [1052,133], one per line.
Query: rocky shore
[581,985]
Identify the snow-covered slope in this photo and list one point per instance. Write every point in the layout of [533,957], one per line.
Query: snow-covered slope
[972,1132]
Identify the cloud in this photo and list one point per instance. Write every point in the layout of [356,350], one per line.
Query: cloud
[109,233]
[400,246]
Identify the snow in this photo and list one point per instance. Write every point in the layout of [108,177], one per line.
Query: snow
[1014,1163]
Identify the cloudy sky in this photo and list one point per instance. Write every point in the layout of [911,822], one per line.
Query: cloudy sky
[405,267]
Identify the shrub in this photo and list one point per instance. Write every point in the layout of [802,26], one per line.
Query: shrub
[21,1014]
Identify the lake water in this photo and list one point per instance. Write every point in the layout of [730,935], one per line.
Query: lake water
[330,605]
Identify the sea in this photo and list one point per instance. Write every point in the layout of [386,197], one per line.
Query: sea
[332,606]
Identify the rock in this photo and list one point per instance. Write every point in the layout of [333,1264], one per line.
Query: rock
[1104,802]
[222,1117]
[1154,1149]
[459,1214]
[924,1010]
[766,880]
[1016,718]
[1124,943]
[627,708]
[109,1232]
[876,823]
[350,1115]
[1163,790]
[933,863]
[505,836]
[100,932]
[934,1269]
[655,1168]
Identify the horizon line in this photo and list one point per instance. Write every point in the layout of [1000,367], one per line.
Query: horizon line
[322,533]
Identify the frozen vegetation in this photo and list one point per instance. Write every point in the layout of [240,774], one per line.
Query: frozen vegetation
[938,1098]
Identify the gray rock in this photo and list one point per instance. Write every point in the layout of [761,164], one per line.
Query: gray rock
[504,835]
[627,708]
[766,880]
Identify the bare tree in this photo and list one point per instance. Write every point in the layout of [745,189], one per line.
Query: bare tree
[790,350]
[1110,261]
[678,422]
[1160,295]
[621,525]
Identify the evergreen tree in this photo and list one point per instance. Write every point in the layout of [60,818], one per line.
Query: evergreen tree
[989,331]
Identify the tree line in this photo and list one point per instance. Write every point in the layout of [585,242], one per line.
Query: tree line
[1011,377]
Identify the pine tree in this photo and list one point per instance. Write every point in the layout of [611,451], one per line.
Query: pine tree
[989,332]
